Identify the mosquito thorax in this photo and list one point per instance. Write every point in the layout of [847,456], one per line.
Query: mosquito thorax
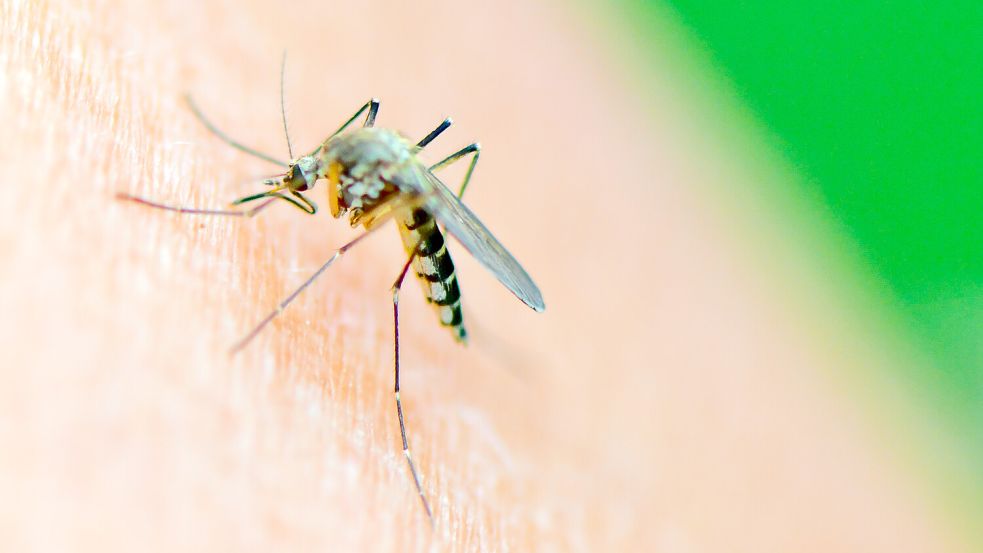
[364,168]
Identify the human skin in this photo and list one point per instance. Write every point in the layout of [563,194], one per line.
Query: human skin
[668,399]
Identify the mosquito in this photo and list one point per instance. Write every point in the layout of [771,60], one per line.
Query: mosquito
[373,175]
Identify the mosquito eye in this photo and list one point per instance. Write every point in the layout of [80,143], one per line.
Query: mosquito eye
[295,179]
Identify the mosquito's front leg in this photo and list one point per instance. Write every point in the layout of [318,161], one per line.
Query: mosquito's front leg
[270,196]
[311,208]
[195,211]
[304,204]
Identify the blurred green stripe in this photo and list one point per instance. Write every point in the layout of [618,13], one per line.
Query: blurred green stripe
[878,106]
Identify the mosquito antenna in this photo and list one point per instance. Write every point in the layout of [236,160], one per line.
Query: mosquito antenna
[283,109]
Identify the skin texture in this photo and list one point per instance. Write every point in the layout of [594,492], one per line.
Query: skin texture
[680,393]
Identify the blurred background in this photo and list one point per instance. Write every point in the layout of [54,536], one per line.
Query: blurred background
[871,111]
[756,226]
[875,111]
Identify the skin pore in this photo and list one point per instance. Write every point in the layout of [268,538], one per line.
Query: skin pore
[668,399]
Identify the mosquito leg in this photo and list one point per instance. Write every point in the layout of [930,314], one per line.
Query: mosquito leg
[195,211]
[225,138]
[283,304]
[311,208]
[399,404]
[435,133]
[304,204]
[373,107]
[373,111]
[307,206]
[475,149]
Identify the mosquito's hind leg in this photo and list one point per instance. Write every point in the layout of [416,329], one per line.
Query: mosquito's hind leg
[399,404]
[473,148]
[225,138]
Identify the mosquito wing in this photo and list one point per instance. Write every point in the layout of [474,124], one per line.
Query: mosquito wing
[464,225]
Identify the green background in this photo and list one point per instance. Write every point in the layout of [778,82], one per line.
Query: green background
[877,106]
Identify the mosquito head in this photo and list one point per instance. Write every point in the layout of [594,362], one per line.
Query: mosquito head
[301,174]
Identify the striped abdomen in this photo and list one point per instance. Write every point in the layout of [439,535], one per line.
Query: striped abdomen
[434,268]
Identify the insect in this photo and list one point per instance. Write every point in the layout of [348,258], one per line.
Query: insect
[374,175]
